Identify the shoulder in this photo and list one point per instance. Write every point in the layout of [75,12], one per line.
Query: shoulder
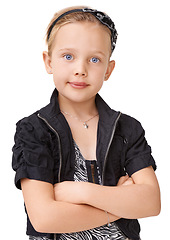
[128,121]
[29,120]
[129,127]
[32,127]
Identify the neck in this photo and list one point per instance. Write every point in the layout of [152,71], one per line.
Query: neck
[83,110]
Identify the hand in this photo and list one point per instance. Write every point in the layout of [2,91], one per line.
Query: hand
[70,191]
[125,180]
[75,192]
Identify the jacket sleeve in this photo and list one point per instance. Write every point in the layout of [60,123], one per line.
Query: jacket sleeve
[138,155]
[32,156]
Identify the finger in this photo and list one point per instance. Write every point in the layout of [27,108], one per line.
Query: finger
[129,181]
[122,180]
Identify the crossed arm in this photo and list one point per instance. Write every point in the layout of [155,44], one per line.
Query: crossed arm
[78,206]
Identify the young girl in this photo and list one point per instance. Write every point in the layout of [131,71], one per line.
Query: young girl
[85,170]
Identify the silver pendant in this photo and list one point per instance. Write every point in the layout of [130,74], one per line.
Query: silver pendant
[85,125]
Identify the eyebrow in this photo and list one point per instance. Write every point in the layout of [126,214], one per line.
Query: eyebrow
[67,49]
[75,50]
[99,52]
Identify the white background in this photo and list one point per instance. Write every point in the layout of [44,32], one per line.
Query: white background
[138,87]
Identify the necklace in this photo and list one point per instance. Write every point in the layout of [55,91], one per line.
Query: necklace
[84,122]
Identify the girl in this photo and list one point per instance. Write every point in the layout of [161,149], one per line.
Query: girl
[85,170]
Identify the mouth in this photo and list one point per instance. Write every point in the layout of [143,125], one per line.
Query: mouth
[78,85]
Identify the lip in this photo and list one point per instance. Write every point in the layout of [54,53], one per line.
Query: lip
[78,85]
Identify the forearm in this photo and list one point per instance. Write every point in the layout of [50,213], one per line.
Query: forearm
[138,200]
[62,217]
[133,201]
[51,216]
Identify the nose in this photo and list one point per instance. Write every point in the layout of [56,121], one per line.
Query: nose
[80,69]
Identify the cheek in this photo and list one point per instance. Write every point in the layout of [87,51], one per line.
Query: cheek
[100,73]
[60,70]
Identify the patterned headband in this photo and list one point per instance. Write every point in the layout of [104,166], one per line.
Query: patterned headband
[102,17]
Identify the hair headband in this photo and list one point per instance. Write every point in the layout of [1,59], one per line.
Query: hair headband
[102,17]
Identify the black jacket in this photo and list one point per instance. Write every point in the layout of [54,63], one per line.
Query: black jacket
[44,151]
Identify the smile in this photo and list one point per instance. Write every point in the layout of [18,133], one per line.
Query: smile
[78,85]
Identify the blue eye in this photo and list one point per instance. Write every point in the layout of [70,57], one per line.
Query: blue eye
[68,57]
[94,60]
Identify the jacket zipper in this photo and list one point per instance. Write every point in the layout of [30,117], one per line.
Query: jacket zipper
[92,172]
[59,143]
[55,236]
[108,147]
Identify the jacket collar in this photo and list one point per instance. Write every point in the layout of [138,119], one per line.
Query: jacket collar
[53,108]
[54,117]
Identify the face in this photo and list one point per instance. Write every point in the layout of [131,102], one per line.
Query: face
[80,60]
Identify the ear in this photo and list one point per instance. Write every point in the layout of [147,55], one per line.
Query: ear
[110,68]
[47,62]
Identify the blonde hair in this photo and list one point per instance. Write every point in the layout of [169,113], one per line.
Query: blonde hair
[69,18]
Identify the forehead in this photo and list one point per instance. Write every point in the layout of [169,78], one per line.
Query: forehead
[83,35]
